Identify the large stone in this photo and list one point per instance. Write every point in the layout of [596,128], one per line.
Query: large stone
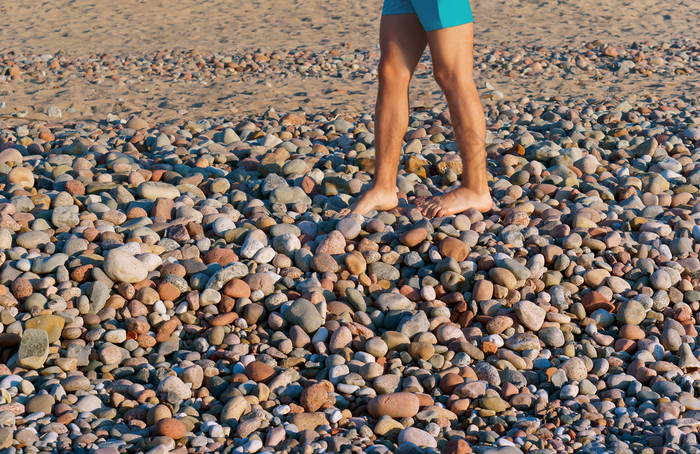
[315,396]
[259,372]
[137,123]
[65,216]
[40,403]
[121,266]
[88,403]
[414,237]
[33,239]
[171,427]
[646,148]
[309,421]
[631,312]
[304,314]
[34,348]
[575,369]
[494,403]
[384,271]
[289,195]
[391,301]
[396,405]
[530,315]
[75,383]
[417,323]
[660,280]
[523,341]
[5,437]
[22,176]
[333,244]
[452,247]
[503,277]
[483,290]
[174,385]
[11,155]
[235,409]
[45,265]
[349,227]
[417,437]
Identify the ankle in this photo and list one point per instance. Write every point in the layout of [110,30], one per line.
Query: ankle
[384,188]
[479,188]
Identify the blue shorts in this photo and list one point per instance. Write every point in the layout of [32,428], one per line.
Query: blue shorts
[433,14]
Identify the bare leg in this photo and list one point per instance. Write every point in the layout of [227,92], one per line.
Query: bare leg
[402,42]
[452,53]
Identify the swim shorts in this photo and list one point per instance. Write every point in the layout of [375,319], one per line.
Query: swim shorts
[433,14]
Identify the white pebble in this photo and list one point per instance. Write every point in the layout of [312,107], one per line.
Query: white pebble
[281,410]
[159,307]
[335,416]
[23,265]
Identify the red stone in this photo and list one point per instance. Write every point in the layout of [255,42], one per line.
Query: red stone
[593,301]
[452,247]
[171,427]
[413,237]
[259,371]
[222,256]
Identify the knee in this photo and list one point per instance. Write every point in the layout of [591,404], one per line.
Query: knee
[393,75]
[451,78]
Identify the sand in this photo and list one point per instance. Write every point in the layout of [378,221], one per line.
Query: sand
[80,28]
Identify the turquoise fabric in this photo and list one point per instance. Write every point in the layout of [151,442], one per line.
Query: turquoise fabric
[433,14]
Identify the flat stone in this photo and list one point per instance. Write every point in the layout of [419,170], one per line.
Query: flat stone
[157,189]
[33,239]
[34,348]
[309,421]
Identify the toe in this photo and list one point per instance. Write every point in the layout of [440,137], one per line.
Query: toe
[425,208]
[432,210]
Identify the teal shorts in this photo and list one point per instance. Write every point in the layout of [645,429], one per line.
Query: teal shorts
[433,14]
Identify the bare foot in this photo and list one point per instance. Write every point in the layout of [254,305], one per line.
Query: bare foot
[455,202]
[373,199]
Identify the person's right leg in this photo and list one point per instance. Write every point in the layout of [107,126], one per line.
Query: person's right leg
[402,42]
[451,49]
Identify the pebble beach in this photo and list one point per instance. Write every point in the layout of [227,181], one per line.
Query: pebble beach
[175,275]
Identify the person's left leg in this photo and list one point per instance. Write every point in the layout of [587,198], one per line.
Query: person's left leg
[402,42]
[452,54]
